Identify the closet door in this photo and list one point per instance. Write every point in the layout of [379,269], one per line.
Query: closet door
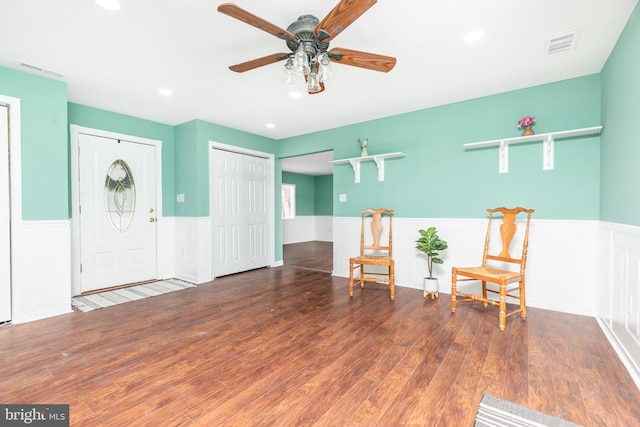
[239,194]
[257,174]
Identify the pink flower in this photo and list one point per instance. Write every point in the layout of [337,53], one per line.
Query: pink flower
[526,121]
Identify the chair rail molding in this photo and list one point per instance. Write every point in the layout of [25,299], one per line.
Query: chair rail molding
[547,139]
[378,158]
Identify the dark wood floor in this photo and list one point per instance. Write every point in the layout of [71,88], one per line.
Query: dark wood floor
[287,346]
[313,255]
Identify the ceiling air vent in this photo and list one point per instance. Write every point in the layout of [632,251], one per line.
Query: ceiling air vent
[41,70]
[563,43]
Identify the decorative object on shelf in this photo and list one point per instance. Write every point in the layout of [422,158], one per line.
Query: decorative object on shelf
[363,142]
[429,243]
[526,122]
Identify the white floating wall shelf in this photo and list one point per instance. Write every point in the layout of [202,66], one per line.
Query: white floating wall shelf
[547,145]
[378,158]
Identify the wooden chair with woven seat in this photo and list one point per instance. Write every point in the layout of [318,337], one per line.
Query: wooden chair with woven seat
[375,254]
[495,268]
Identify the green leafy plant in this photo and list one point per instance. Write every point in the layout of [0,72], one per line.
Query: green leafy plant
[430,243]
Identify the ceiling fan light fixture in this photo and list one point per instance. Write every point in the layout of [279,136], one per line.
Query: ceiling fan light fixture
[301,63]
[325,69]
[289,77]
[313,83]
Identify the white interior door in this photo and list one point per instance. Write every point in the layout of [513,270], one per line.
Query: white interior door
[240,217]
[257,179]
[5,236]
[117,212]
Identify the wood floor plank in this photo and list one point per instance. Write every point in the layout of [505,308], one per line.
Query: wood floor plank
[288,346]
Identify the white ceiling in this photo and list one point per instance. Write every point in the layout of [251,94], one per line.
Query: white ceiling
[117,60]
[310,164]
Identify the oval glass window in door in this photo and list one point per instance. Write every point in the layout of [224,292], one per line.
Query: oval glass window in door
[120,195]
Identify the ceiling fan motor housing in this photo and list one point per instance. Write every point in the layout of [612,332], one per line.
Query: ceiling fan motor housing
[303,30]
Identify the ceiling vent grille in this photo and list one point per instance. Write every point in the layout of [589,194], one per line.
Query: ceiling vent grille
[41,70]
[563,43]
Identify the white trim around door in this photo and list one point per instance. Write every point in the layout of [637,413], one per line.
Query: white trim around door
[76,131]
[15,190]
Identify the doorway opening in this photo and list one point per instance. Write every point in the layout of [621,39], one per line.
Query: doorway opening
[307,235]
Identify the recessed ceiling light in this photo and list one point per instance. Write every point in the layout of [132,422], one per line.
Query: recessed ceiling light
[295,94]
[165,92]
[109,4]
[474,36]
[270,125]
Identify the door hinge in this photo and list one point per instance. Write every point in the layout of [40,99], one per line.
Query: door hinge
[80,268]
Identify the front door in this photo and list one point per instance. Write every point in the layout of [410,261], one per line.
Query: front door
[5,239]
[117,212]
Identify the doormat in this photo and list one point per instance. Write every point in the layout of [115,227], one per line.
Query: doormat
[123,295]
[494,412]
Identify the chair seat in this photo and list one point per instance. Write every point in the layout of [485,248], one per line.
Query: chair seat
[372,259]
[491,274]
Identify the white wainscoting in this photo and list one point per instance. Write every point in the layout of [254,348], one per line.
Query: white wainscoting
[45,286]
[619,291]
[306,228]
[561,266]
[193,249]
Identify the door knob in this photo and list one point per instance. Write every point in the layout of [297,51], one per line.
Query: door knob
[152,220]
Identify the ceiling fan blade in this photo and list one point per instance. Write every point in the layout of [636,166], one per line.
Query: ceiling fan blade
[255,63]
[343,15]
[356,58]
[235,12]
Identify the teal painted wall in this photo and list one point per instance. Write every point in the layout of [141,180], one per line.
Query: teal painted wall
[439,179]
[620,153]
[305,192]
[314,194]
[324,195]
[186,168]
[45,154]
[113,122]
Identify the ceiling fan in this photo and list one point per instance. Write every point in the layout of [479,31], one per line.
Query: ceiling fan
[308,41]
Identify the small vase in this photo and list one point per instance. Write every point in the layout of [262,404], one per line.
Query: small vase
[364,152]
[528,131]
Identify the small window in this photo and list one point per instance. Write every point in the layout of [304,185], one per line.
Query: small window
[288,201]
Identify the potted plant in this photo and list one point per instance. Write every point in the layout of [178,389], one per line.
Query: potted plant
[430,243]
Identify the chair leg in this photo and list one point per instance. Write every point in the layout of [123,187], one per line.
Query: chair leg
[523,301]
[484,293]
[362,275]
[392,282]
[453,290]
[350,277]
[503,306]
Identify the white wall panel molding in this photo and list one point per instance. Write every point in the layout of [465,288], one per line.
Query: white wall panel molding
[305,228]
[193,249]
[298,229]
[619,291]
[45,270]
[323,228]
[559,277]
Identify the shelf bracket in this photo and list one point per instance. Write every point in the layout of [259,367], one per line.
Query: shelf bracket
[503,160]
[355,164]
[380,164]
[547,152]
